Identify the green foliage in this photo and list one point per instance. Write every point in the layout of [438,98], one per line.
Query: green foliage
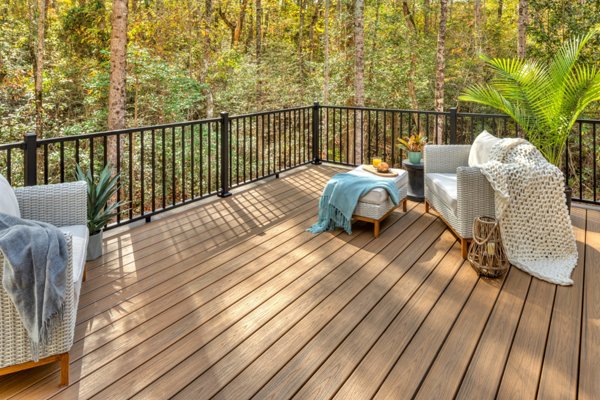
[100,192]
[544,99]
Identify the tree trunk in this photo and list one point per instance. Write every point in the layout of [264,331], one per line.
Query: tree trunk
[477,18]
[258,34]
[208,22]
[300,43]
[426,21]
[240,23]
[39,21]
[412,40]
[440,66]
[118,72]
[326,55]
[311,29]
[522,28]
[500,9]
[359,67]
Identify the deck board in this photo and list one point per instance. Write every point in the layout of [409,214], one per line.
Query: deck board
[233,299]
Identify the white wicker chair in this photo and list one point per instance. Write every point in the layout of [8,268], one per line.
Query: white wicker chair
[61,205]
[473,195]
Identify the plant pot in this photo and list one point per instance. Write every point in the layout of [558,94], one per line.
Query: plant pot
[94,249]
[568,197]
[414,156]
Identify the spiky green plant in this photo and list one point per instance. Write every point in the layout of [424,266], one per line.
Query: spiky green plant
[544,99]
[99,193]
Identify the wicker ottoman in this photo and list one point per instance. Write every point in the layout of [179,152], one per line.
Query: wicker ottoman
[376,205]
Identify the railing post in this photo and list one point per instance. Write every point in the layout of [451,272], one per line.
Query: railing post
[453,119]
[30,159]
[316,122]
[224,155]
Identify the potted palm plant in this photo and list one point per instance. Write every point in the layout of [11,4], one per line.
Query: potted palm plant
[544,99]
[99,211]
[413,145]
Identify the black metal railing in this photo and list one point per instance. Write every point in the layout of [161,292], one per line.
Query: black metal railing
[165,166]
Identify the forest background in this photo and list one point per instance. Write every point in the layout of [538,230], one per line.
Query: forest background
[61,72]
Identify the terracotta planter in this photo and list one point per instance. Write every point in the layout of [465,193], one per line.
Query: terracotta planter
[94,249]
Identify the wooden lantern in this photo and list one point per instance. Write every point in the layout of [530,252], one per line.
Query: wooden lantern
[486,253]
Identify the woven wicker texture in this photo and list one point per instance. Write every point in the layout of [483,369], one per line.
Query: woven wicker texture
[376,211]
[61,205]
[475,196]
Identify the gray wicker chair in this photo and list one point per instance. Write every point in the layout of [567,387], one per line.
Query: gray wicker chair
[459,193]
[63,205]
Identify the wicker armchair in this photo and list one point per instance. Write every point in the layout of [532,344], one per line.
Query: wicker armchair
[459,193]
[63,205]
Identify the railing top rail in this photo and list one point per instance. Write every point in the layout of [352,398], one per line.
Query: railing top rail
[126,131]
[269,112]
[386,110]
[15,145]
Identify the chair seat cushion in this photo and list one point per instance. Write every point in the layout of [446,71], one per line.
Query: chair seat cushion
[8,200]
[443,185]
[80,242]
[379,195]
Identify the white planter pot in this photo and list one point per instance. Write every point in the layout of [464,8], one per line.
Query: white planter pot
[94,249]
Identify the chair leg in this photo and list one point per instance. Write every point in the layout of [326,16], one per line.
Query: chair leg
[404,205]
[84,273]
[376,229]
[464,248]
[426,206]
[64,369]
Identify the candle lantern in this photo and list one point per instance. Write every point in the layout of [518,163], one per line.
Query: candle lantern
[486,253]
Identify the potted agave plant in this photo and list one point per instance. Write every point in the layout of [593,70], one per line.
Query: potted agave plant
[413,145]
[99,211]
[543,98]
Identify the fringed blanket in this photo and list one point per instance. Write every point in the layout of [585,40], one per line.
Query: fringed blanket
[530,204]
[35,262]
[340,197]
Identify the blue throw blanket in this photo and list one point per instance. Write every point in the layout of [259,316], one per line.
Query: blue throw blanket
[340,197]
[35,262]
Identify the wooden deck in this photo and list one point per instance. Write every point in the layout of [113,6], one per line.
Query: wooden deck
[233,299]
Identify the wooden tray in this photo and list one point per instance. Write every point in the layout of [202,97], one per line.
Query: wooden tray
[373,170]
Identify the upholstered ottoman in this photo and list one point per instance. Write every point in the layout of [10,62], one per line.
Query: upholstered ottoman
[376,205]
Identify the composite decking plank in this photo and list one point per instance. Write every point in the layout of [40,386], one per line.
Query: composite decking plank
[445,374]
[414,362]
[589,364]
[239,379]
[343,268]
[335,359]
[193,241]
[274,297]
[256,241]
[302,181]
[561,360]
[235,291]
[524,365]
[135,336]
[212,218]
[104,287]
[487,365]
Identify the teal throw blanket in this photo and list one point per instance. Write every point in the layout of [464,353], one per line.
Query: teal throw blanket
[340,197]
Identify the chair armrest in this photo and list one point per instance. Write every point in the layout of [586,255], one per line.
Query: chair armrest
[475,194]
[60,204]
[446,158]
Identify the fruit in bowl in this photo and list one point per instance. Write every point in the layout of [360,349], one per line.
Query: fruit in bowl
[383,167]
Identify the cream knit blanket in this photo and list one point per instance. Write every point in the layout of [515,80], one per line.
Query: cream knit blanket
[530,204]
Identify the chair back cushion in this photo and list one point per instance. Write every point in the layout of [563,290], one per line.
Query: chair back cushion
[481,147]
[8,201]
